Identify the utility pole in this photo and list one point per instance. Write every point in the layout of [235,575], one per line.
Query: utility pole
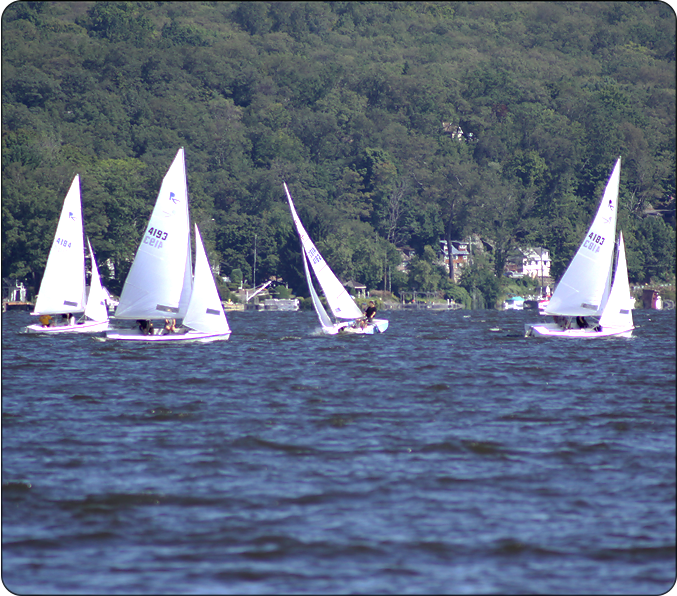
[254,261]
[385,273]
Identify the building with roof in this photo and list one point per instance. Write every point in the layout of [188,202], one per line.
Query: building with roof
[534,262]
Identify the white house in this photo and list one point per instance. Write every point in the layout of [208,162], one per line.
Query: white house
[534,262]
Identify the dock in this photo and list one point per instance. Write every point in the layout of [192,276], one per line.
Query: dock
[16,305]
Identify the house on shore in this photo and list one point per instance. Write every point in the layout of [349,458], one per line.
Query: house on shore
[359,290]
[460,256]
[532,262]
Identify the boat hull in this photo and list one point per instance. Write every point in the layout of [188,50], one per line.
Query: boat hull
[188,335]
[376,326]
[86,327]
[554,330]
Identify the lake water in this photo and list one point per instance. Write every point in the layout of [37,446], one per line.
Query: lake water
[449,455]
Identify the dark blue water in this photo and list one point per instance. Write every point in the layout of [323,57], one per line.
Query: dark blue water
[448,455]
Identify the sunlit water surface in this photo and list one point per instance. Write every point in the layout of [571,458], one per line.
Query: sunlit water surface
[448,455]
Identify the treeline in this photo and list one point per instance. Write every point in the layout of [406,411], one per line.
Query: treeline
[355,105]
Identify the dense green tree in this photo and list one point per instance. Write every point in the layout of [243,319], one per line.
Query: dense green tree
[479,280]
[656,244]
[355,105]
[254,17]
[119,21]
[116,205]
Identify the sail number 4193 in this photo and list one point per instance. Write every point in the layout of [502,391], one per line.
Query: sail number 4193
[155,237]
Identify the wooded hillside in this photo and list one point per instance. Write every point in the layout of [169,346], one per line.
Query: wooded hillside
[354,105]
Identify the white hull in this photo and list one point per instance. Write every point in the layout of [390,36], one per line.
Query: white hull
[555,330]
[180,335]
[376,326]
[86,327]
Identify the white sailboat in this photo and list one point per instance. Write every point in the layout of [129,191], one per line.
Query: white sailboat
[586,304]
[348,316]
[160,283]
[62,291]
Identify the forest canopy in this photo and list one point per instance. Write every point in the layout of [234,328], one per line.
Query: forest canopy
[355,106]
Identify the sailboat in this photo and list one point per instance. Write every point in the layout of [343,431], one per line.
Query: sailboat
[63,291]
[348,318]
[160,283]
[593,297]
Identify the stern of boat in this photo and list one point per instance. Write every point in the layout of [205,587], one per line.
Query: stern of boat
[379,325]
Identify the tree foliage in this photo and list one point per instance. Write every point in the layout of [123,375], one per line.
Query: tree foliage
[354,105]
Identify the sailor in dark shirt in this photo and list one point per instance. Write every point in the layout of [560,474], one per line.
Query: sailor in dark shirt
[369,315]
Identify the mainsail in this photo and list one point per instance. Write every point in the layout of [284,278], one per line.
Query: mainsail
[160,274]
[585,285]
[63,285]
[340,302]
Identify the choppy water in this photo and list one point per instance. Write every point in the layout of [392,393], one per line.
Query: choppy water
[448,455]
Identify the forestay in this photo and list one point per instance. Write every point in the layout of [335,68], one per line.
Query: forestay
[160,274]
[187,288]
[63,285]
[584,287]
[340,302]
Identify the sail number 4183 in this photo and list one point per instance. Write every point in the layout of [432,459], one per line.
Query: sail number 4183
[593,242]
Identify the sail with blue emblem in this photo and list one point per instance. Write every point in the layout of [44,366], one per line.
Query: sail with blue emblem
[159,282]
[63,284]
